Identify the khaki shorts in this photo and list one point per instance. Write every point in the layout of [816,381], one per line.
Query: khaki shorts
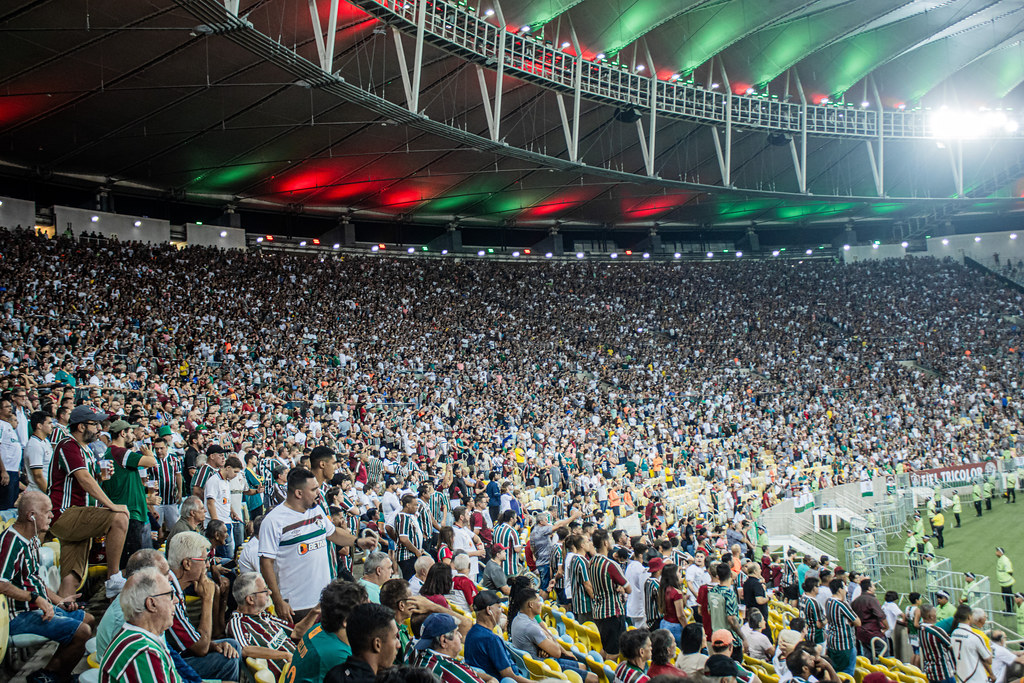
[75,529]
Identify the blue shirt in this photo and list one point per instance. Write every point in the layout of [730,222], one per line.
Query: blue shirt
[485,651]
[493,492]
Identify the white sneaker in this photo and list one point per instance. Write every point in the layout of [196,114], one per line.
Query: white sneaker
[114,586]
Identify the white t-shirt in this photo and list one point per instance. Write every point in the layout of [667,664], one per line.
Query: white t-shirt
[10,447]
[218,490]
[696,576]
[249,558]
[237,485]
[37,457]
[297,542]
[968,652]
[464,541]
[636,576]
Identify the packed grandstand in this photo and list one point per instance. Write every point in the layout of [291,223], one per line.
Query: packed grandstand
[338,467]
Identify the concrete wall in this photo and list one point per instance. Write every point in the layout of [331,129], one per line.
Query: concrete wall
[125,228]
[871,253]
[14,212]
[214,236]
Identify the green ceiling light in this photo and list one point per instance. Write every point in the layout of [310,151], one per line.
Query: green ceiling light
[424,248]
[490,251]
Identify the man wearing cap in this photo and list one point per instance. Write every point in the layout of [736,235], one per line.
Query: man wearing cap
[910,550]
[493,576]
[990,491]
[651,590]
[938,526]
[74,523]
[928,548]
[976,498]
[125,486]
[957,508]
[1018,611]
[439,646]
[943,607]
[931,575]
[484,649]
[971,593]
[214,461]
[1004,575]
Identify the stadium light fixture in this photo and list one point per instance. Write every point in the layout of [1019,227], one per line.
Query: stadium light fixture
[424,248]
[411,250]
[945,243]
[95,219]
[481,253]
[270,238]
[337,245]
[865,104]
[316,242]
[600,56]
[488,12]
[302,243]
[714,86]
[875,245]
[444,252]
[809,252]
[375,248]
[613,255]
[223,233]
[525,29]
[1013,236]
[515,254]
[640,67]
[846,247]
[580,254]
[647,255]
[677,255]
[565,44]
[548,255]
[138,224]
[775,253]
[259,239]
[977,239]
[490,251]
[526,251]
[711,254]
[955,124]
[904,244]
[739,254]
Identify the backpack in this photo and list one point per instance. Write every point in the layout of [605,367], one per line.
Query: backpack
[716,611]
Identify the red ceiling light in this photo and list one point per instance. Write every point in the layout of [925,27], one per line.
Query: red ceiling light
[316,242]
[270,238]
[382,246]
[526,251]
[629,252]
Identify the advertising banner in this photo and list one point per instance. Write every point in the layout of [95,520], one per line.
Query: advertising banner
[952,477]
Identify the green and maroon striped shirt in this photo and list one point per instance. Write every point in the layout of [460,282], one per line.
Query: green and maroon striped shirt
[608,602]
[138,656]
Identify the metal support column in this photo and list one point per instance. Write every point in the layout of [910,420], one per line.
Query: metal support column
[725,156]
[417,63]
[324,44]
[956,158]
[800,161]
[403,69]
[572,132]
[232,7]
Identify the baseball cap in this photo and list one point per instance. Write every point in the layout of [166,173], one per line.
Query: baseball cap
[434,626]
[942,594]
[720,665]
[118,426]
[655,564]
[721,638]
[164,431]
[969,575]
[86,413]
[497,548]
[215,448]
[485,599]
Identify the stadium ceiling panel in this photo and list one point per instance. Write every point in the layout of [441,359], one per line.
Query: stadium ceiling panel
[704,123]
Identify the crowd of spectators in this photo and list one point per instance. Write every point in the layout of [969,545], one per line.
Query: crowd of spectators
[276,419]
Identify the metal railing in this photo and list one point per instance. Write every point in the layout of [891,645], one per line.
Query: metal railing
[457,30]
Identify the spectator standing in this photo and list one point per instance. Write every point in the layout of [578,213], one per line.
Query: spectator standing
[610,590]
[217,495]
[125,485]
[842,622]
[74,523]
[169,483]
[11,451]
[39,451]
[873,621]
[936,648]
[410,536]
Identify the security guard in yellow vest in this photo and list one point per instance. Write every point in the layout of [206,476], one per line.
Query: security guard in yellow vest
[957,508]
[976,498]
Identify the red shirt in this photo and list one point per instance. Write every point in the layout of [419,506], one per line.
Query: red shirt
[667,669]
[65,491]
[705,616]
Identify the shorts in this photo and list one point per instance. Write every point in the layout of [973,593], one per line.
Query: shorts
[791,592]
[611,629]
[60,629]
[75,528]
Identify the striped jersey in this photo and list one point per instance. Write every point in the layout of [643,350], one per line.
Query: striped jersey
[60,432]
[265,468]
[164,474]
[203,475]
[440,505]
[426,519]
[608,602]
[182,634]
[447,669]
[138,656]
[789,573]
[554,562]
[351,509]
[810,610]
[407,525]
[505,535]
[840,632]
[263,630]
[628,673]
[19,566]
[561,507]
[578,572]
[332,550]
[652,610]
[374,470]
[936,653]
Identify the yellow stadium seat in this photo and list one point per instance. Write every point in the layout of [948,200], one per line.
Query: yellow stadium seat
[593,636]
[859,673]
[845,677]
[540,670]
[286,674]
[572,676]
[5,628]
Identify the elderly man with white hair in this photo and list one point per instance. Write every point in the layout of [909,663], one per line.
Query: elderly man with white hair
[187,555]
[138,654]
[261,634]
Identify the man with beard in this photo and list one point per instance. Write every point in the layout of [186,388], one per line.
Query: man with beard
[74,523]
[125,486]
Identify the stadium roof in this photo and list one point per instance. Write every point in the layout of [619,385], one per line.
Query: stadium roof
[182,98]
